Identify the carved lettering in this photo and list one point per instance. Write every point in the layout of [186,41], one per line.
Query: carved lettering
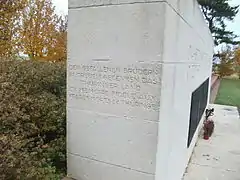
[108,84]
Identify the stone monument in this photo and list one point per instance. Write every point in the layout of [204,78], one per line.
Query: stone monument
[132,67]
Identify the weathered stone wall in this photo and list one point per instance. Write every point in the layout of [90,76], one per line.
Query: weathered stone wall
[132,67]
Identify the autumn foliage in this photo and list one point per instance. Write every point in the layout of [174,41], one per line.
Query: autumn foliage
[9,26]
[32,93]
[226,67]
[229,62]
[237,60]
[31,27]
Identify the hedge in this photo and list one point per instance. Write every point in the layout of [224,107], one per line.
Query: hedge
[32,120]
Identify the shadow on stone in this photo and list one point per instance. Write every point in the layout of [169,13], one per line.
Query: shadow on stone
[228,109]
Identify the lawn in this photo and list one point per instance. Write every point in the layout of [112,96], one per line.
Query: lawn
[229,92]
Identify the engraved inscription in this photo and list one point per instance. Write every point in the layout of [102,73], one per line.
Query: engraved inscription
[105,83]
[194,69]
[196,55]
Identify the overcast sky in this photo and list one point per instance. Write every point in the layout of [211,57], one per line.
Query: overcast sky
[235,26]
[62,8]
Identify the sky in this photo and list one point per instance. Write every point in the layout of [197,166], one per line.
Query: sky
[235,26]
[62,8]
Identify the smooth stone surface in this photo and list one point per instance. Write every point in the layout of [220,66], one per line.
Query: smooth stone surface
[120,34]
[96,3]
[91,169]
[124,142]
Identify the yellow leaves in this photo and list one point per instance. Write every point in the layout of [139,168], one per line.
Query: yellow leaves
[237,60]
[226,67]
[38,25]
[9,14]
[237,56]
[31,27]
[58,49]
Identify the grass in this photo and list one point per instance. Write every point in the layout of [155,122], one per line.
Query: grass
[229,92]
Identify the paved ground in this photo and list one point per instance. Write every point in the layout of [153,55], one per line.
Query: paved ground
[219,157]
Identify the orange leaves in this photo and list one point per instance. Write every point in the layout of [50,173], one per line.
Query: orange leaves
[226,67]
[230,62]
[31,27]
[57,49]
[10,11]
[60,45]
[237,56]
[237,60]
[39,26]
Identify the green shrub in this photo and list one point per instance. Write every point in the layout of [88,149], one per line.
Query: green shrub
[32,120]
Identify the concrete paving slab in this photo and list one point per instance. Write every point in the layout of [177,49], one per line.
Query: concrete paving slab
[219,157]
[199,172]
